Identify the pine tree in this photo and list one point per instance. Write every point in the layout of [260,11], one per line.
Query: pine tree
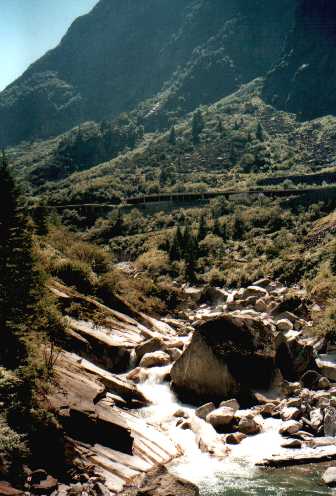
[220,129]
[197,126]
[260,133]
[19,280]
[217,228]
[118,225]
[202,229]
[172,136]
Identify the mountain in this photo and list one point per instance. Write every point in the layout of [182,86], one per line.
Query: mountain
[304,80]
[180,53]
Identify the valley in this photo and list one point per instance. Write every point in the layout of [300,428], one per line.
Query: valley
[168,254]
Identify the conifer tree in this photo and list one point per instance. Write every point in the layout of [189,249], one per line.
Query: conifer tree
[197,126]
[19,280]
[260,133]
[202,229]
[172,136]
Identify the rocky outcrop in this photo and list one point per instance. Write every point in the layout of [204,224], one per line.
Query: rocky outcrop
[161,482]
[228,357]
[117,444]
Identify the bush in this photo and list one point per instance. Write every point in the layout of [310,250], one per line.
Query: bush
[75,273]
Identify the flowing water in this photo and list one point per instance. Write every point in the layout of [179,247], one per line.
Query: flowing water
[235,474]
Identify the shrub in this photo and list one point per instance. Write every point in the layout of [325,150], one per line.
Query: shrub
[75,273]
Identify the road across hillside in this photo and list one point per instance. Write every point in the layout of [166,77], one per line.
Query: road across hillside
[322,193]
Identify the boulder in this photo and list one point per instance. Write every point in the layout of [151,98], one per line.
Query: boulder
[324,383]
[261,305]
[256,291]
[7,490]
[329,477]
[290,413]
[294,402]
[267,410]
[221,417]
[155,359]
[235,438]
[284,325]
[174,353]
[231,404]
[160,482]
[47,486]
[310,379]
[292,444]
[229,356]
[291,427]
[262,283]
[149,346]
[181,413]
[204,410]
[316,418]
[327,366]
[248,425]
[330,422]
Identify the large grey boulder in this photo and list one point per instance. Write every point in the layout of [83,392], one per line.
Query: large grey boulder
[230,356]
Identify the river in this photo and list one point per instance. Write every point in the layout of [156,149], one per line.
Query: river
[236,474]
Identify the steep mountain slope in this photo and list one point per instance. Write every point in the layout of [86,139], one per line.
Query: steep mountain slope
[304,81]
[122,53]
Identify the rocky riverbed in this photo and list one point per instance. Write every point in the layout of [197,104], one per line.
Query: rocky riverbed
[215,396]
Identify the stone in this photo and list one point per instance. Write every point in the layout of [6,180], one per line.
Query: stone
[235,438]
[310,379]
[256,291]
[185,425]
[155,359]
[292,444]
[284,325]
[324,383]
[330,422]
[327,366]
[7,490]
[149,346]
[262,283]
[221,417]
[37,476]
[45,486]
[294,402]
[316,418]
[160,482]
[290,413]
[231,404]
[174,353]
[267,410]
[248,425]
[181,413]
[291,427]
[329,477]
[204,410]
[137,375]
[228,354]
[261,305]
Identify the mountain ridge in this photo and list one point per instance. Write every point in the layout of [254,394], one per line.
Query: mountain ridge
[121,54]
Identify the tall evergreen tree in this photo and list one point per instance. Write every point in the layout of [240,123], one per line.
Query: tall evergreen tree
[260,133]
[202,229]
[172,136]
[19,279]
[197,126]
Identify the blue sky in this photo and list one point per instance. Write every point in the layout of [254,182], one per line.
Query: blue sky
[28,28]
